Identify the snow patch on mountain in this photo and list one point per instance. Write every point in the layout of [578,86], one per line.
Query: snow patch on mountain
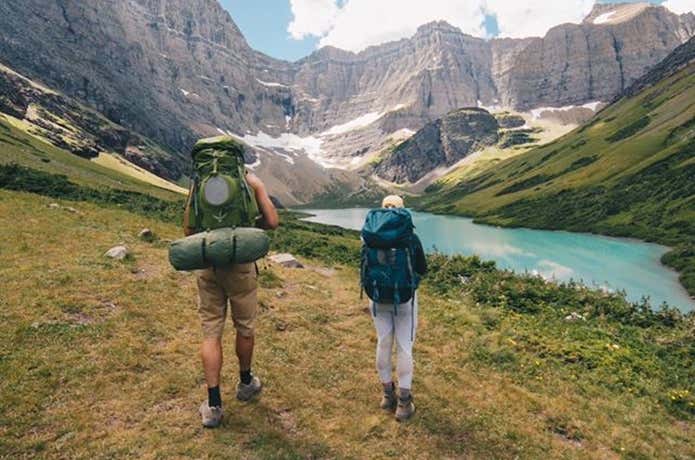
[359,122]
[604,18]
[255,164]
[286,141]
[494,108]
[271,84]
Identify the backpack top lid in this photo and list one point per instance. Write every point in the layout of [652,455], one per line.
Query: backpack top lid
[226,143]
[387,228]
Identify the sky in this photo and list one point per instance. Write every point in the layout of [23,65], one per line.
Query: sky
[292,29]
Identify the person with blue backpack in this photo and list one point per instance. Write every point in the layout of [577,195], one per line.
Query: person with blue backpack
[392,264]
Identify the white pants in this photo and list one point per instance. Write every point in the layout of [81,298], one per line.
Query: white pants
[400,325]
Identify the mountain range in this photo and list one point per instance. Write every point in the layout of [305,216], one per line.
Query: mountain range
[162,73]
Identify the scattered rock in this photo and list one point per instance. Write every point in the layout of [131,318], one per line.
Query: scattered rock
[81,319]
[286,260]
[146,235]
[54,206]
[117,252]
[109,304]
[72,210]
[324,271]
[574,316]
[286,420]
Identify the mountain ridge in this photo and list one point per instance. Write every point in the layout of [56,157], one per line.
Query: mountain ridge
[175,71]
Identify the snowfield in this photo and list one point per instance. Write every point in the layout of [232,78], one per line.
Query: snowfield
[271,84]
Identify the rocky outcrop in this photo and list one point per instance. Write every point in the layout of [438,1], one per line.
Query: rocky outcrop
[680,58]
[63,121]
[443,142]
[507,120]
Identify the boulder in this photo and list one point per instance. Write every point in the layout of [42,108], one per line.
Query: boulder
[574,316]
[117,252]
[146,235]
[54,206]
[286,260]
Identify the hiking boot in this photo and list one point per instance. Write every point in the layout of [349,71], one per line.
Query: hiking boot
[212,416]
[389,400]
[405,409]
[246,392]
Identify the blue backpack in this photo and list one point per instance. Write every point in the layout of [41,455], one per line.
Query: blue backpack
[387,274]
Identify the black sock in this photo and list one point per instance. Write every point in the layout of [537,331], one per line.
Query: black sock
[214,397]
[245,377]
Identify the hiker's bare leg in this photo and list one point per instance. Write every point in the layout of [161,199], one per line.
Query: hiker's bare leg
[244,351]
[211,352]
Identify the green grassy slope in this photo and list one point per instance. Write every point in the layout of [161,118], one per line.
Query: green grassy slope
[18,147]
[629,172]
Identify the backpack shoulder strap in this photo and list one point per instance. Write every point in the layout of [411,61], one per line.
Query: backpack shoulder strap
[194,201]
[409,257]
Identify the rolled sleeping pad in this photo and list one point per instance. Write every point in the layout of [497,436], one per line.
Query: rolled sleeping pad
[219,248]
[188,253]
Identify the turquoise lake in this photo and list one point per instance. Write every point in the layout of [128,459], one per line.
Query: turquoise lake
[599,261]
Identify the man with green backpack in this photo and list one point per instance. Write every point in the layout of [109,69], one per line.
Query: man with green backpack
[392,264]
[224,195]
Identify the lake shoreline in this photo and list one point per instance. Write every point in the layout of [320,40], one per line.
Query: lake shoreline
[675,288]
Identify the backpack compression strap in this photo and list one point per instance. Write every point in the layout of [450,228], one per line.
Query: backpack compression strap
[412,290]
[245,187]
[194,197]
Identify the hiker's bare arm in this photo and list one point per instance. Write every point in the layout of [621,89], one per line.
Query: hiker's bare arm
[187,230]
[270,219]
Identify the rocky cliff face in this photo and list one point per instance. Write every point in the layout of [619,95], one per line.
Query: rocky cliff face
[680,58]
[592,61]
[176,70]
[441,143]
[170,69]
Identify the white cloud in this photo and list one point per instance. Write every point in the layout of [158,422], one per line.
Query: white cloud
[356,24]
[361,23]
[533,18]
[312,17]
[680,6]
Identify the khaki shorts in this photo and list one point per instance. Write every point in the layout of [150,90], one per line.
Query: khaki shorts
[235,286]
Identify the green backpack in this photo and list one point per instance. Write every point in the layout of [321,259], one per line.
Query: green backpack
[221,196]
